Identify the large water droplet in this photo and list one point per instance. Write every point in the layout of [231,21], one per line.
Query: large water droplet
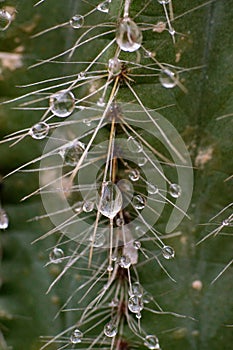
[151,342]
[56,256]
[114,66]
[4,220]
[62,103]
[76,336]
[39,131]
[104,6]
[110,201]
[128,35]
[72,153]
[134,175]
[133,145]
[77,21]
[175,190]
[135,304]
[168,252]
[5,19]
[139,202]
[168,78]
[110,330]
[125,261]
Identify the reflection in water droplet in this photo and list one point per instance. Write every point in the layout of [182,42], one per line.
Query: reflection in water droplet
[114,66]
[168,78]
[151,342]
[56,255]
[134,175]
[39,131]
[110,201]
[128,35]
[62,103]
[5,19]
[76,336]
[77,21]
[88,206]
[4,220]
[110,330]
[72,153]
[168,252]
[175,190]
[104,6]
[133,145]
[135,304]
[139,202]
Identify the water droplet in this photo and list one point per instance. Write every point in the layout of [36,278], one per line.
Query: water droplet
[76,336]
[5,19]
[125,261]
[135,304]
[87,122]
[139,231]
[163,1]
[110,330]
[168,252]
[104,6]
[139,315]
[175,190]
[78,207]
[72,153]
[114,303]
[82,75]
[109,268]
[114,66]
[98,241]
[56,255]
[4,220]
[62,103]
[77,21]
[139,202]
[125,186]
[39,131]
[101,102]
[151,342]
[137,244]
[147,297]
[134,175]
[141,161]
[133,145]
[137,289]
[110,201]
[88,206]
[128,35]
[226,222]
[152,189]
[168,78]
[120,222]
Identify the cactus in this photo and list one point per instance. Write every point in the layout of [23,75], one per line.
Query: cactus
[168,282]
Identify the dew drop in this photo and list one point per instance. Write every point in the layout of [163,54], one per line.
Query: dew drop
[137,289]
[5,19]
[100,102]
[78,207]
[77,21]
[88,206]
[114,303]
[152,189]
[135,304]
[139,202]
[134,175]
[168,78]
[114,66]
[168,252]
[39,131]
[87,122]
[133,145]
[163,2]
[139,315]
[109,268]
[125,261]
[104,6]
[137,244]
[62,103]
[98,241]
[110,330]
[141,161]
[56,255]
[175,190]
[147,298]
[72,153]
[76,336]
[226,222]
[151,342]
[4,220]
[140,231]
[110,201]
[82,75]
[128,35]
[120,222]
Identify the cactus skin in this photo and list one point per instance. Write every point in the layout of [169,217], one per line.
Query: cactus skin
[209,141]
